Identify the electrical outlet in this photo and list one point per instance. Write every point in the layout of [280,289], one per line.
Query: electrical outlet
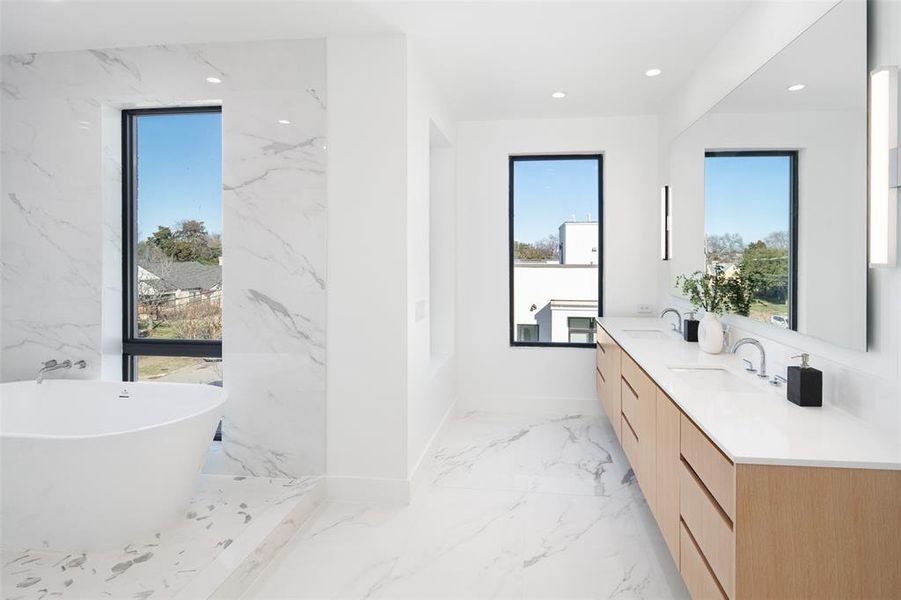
[645,309]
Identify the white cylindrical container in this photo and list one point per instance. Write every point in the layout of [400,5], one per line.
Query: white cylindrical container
[710,334]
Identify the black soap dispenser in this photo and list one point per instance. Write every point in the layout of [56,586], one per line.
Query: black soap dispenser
[690,327]
[805,384]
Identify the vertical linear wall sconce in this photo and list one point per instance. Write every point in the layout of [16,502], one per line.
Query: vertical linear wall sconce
[884,167]
[666,224]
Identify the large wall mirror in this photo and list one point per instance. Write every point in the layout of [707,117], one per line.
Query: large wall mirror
[772,182]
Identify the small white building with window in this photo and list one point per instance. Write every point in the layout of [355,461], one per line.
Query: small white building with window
[556,302]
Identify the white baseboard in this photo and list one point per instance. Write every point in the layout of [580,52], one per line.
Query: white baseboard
[368,489]
[541,405]
[418,472]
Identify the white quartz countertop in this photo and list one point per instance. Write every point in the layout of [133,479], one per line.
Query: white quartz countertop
[750,419]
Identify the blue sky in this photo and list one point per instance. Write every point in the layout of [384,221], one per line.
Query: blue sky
[747,195]
[549,192]
[179,170]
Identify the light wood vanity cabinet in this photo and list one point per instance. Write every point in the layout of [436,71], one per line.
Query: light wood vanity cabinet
[666,509]
[744,530]
[608,375]
[639,406]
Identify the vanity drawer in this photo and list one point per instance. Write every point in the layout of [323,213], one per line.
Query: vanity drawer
[630,445]
[631,406]
[634,375]
[710,464]
[709,526]
[639,397]
[701,583]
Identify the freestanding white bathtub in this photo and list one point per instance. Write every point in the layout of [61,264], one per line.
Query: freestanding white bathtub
[89,465]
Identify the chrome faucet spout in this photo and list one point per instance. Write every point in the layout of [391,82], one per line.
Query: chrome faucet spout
[759,346]
[52,365]
[678,316]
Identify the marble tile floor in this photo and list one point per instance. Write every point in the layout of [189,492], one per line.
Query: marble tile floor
[506,507]
[232,527]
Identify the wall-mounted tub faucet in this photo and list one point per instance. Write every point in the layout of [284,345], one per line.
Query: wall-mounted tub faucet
[757,345]
[53,365]
[678,316]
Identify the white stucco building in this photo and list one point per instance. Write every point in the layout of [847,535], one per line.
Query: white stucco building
[557,301]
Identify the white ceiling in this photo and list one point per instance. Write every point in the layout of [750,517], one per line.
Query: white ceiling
[490,60]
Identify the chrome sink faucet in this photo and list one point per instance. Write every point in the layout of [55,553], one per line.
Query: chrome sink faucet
[678,316]
[759,346]
[53,365]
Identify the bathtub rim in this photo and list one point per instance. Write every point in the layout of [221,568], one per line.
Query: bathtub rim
[221,398]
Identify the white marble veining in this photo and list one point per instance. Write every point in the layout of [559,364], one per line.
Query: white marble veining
[61,260]
[509,507]
[225,524]
[758,425]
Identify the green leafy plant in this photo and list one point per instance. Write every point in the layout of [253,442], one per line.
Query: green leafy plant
[739,290]
[705,289]
[717,291]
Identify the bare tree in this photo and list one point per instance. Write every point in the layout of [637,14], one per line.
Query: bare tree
[777,239]
[153,284]
[727,247]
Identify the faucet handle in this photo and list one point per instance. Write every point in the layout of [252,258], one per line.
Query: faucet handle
[750,368]
[80,364]
[778,379]
[50,363]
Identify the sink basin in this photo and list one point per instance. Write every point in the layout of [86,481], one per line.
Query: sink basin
[712,379]
[645,334]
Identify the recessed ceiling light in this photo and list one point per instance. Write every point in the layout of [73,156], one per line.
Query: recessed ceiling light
[797,87]
[213,80]
[284,121]
[558,95]
[653,72]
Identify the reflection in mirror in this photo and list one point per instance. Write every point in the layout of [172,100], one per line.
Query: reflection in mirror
[772,183]
[750,218]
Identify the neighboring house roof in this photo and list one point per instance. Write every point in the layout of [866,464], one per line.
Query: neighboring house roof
[171,276]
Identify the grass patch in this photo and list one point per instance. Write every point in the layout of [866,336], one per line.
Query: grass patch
[762,310]
[151,367]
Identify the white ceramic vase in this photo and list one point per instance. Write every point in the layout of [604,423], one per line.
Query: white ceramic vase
[710,334]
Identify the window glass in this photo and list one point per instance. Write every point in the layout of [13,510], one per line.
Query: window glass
[581,330]
[527,333]
[178,211]
[179,369]
[749,213]
[555,250]
[172,245]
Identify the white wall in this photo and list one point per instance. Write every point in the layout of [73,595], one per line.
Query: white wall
[431,277]
[494,375]
[388,391]
[579,243]
[367,254]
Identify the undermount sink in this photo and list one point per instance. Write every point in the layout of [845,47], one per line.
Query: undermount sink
[712,379]
[645,334]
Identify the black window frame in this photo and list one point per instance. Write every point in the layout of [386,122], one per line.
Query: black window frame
[793,156]
[513,159]
[132,345]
